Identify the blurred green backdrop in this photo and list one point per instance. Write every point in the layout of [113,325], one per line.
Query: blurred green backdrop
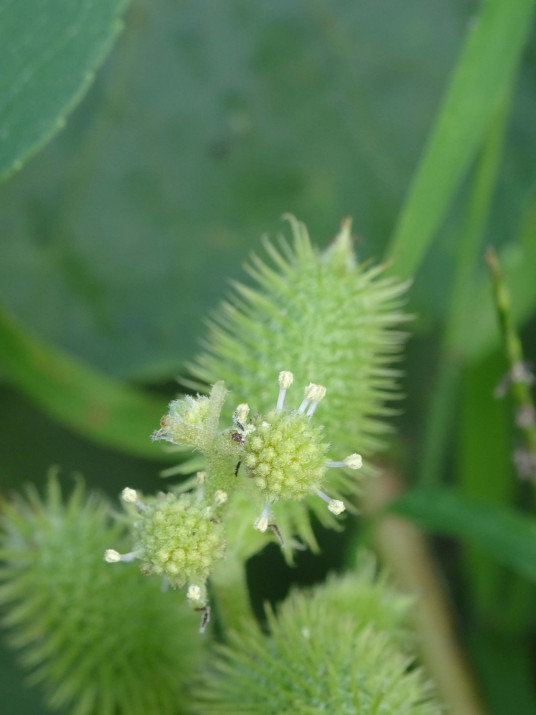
[208,121]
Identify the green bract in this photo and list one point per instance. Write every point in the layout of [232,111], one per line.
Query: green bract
[323,318]
[326,652]
[326,318]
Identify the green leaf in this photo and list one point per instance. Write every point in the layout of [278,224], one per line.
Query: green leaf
[506,535]
[486,69]
[103,410]
[164,181]
[49,51]
[484,467]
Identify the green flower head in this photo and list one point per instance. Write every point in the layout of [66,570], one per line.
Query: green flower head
[175,536]
[285,455]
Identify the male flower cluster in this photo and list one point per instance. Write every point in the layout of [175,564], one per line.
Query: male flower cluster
[286,456]
[281,455]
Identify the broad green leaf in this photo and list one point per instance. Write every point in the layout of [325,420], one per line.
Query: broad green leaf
[482,76]
[503,533]
[103,410]
[209,121]
[49,51]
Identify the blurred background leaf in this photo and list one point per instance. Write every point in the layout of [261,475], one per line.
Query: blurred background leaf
[483,75]
[103,410]
[208,122]
[507,536]
[49,52]
[211,120]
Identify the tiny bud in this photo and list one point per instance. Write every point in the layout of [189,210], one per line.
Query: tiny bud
[354,461]
[336,506]
[261,524]
[285,379]
[220,497]
[111,556]
[201,476]
[129,495]
[241,412]
[194,593]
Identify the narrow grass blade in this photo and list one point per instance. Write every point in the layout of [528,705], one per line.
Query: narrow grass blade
[485,71]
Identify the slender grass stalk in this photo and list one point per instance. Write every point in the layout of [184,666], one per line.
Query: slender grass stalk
[405,551]
[519,377]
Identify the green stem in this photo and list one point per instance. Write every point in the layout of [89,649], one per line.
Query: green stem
[519,377]
[407,554]
[442,396]
[231,595]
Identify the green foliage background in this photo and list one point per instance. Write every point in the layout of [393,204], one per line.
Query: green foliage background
[206,123]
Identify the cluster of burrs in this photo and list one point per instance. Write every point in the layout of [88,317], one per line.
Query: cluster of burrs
[285,454]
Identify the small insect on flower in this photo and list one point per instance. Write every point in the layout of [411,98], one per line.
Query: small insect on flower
[285,454]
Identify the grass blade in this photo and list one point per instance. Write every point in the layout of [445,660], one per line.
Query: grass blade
[101,409]
[482,77]
[506,535]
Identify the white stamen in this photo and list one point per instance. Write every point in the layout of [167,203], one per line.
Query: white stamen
[194,593]
[323,496]
[220,497]
[261,523]
[313,394]
[241,413]
[281,399]
[303,407]
[336,506]
[319,395]
[312,408]
[310,391]
[129,495]
[353,461]
[111,556]
[285,379]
